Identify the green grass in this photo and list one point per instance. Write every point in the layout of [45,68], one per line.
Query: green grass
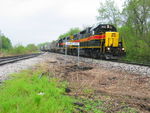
[93,106]
[28,92]
[90,106]
[22,95]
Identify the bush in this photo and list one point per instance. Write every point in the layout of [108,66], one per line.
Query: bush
[137,48]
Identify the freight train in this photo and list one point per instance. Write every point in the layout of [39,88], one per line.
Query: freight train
[100,41]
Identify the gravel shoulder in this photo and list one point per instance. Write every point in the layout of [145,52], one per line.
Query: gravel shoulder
[119,87]
[7,69]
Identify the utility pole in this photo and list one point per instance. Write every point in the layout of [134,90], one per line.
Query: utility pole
[65,50]
[1,41]
[78,53]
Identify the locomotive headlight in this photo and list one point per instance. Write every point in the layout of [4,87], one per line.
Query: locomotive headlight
[108,48]
[123,49]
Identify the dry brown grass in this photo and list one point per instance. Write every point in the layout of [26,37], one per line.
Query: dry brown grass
[99,78]
[133,89]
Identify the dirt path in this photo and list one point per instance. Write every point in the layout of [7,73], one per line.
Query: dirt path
[118,90]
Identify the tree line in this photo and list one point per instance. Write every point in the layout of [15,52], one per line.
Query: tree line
[72,31]
[133,23]
[6,47]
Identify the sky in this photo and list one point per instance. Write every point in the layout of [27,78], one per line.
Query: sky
[38,21]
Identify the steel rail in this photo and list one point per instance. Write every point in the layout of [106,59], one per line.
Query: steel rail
[117,61]
[12,59]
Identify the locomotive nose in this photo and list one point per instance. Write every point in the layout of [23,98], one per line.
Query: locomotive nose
[112,39]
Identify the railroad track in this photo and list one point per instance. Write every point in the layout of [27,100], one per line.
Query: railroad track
[12,59]
[121,61]
[116,61]
[134,68]
[133,63]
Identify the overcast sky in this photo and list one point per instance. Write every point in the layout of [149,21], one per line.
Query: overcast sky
[37,21]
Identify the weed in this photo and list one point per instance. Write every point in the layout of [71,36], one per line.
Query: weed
[129,110]
[27,93]
[91,106]
[88,91]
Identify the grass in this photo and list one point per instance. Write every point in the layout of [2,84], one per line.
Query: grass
[90,105]
[27,93]
[93,106]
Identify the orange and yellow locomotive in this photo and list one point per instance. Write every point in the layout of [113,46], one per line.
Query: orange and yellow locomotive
[101,41]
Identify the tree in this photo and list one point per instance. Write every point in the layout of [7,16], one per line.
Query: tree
[18,49]
[134,26]
[109,13]
[42,44]
[136,29]
[5,42]
[72,31]
[137,14]
[31,47]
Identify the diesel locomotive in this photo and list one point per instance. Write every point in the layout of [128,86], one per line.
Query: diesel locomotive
[100,41]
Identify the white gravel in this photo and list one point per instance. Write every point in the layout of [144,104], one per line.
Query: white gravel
[129,68]
[7,69]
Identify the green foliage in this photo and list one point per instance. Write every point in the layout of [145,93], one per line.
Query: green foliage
[27,93]
[5,43]
[137,49]
[137,14]
[8,49]
[42,44]
[70,32]
[91,106]
[128,110]
[136,31]
[31,48]
[134,28]
[20,49]
[109,13]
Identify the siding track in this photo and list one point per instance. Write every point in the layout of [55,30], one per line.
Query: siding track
[12,59]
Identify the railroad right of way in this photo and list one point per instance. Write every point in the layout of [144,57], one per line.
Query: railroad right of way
[110,65]
[12,59]
[9,65]
[103,80]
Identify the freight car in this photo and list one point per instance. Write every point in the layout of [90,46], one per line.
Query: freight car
[100,41]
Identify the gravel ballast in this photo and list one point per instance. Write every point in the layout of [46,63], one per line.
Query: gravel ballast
[7,69]
[130,68]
